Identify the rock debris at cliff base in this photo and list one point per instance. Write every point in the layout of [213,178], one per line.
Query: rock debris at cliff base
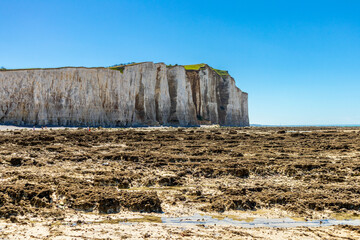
[81,184]
[144,94]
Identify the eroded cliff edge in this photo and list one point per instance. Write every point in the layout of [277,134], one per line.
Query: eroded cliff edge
[144,94]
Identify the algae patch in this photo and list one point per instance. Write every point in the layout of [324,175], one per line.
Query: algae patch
[345,216]
[149,219]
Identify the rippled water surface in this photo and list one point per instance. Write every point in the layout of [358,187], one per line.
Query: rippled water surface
[198,219]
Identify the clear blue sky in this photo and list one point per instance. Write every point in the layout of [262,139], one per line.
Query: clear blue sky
[298,60]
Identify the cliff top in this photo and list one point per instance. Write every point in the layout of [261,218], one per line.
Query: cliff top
[120,67]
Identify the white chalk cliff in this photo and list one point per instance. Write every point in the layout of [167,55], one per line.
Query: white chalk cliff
[144,94]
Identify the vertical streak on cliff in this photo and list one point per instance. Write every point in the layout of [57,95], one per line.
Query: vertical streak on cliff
[157,95]
[162,97]
[139,104]
[223,98]
[173,96]
[182,106]
[244,110]
[208,84]
[193,77]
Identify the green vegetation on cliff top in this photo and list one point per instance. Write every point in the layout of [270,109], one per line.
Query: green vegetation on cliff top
[118,68]
[194,66]
[198,66]
[221,72]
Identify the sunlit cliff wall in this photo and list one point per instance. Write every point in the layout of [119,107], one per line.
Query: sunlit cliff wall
[144,94]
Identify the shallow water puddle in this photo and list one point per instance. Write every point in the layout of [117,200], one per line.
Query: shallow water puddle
[198,219]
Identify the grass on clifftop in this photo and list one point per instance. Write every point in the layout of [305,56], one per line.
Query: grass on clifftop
[194,66]
[198,66]
[118,68]
[221,72]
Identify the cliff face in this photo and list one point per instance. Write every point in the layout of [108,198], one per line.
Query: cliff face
[144,94]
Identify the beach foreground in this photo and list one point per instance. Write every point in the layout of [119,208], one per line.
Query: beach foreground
[194,183]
